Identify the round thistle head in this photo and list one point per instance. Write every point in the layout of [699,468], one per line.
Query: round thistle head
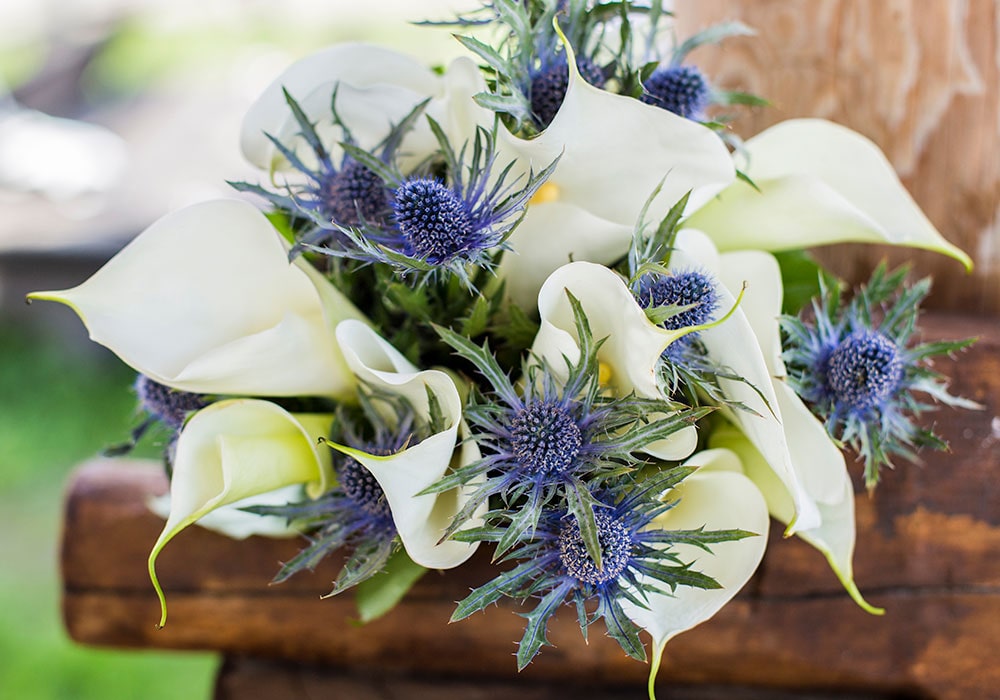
[361,487]
[434,220]
[549,85]
[354,194]
[616,550]
[682,90]
[681,289]
[169,405]
[864,370]
[545,439]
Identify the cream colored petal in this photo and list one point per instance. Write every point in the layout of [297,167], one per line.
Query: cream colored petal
[719,497]
[835,534]
[238,449]
[616,150]
[733,346]
[632,345]
[205,300]
[551,235]
[822,183]
[237,524]
[762,301]
[420,520]
[386,85]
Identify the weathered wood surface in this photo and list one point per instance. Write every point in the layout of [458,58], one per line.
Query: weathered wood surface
[919,77]
[927,552]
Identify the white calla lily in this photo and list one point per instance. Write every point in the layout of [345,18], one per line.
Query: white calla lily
[818,463]
[236,450]
[733,345]
[376,88]
[421,520]
[818,183]
[206,301]
[717,497]
[632,344]
[588,208]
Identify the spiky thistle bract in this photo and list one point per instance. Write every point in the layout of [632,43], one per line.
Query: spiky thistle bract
[858,366]
[355,513]
[554,438]
[556,566]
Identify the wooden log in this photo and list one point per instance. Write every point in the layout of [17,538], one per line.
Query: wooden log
[926,552]
[919,77]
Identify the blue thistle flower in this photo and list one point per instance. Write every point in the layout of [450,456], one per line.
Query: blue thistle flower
[332,195]
[355,513]
[681,89]
[857,368]
[441,224]
[554,439]
[558,565]
[548,83]
[166,404]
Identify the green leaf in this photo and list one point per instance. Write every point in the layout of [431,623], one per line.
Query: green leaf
[379,594]
[735,97]
[800,279]
[712,35]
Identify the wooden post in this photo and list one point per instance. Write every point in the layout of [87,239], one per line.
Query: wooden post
[919,77]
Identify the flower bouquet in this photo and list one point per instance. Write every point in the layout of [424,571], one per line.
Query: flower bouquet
[540,301]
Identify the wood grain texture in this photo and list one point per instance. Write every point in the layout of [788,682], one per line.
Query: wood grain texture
[919,77]
[926,551]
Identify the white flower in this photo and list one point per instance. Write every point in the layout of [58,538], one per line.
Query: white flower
[614,151]
[236,450]
[717,497]
[376,88]
[206,301]
[819,183]
[817,461]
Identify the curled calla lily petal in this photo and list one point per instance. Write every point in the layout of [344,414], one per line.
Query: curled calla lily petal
[632,345]
[734,346]
[818,463]
[238,449]
[420,520]
[236,523]
[819,183]
[376,88]
[606,174]
[206,301]
[717,497]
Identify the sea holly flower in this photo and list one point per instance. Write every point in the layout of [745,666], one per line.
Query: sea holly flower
[634,345]
[818,463]
[555,438]
[681,89]
[377,88]
[637,563]
[446,224]
[857,366]
[815,183]
[236,450]
[172,308]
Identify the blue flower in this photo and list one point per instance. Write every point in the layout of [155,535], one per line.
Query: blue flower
[857,368]
[555,438]
[681,89]
[171,406]
[547,84]
[633,559]
[355,512]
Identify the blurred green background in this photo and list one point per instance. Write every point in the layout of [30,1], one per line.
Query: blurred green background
[168,82]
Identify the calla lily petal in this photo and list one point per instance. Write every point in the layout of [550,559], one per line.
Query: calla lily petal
[733,345]
[385,85]
[817,461]
[819,183]
[719,497]
[206,301]
[238,449]
[606,175]
[632,347]
[234,522]
[376,88]
[420,520]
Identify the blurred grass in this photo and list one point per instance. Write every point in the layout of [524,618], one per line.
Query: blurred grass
[60,406]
